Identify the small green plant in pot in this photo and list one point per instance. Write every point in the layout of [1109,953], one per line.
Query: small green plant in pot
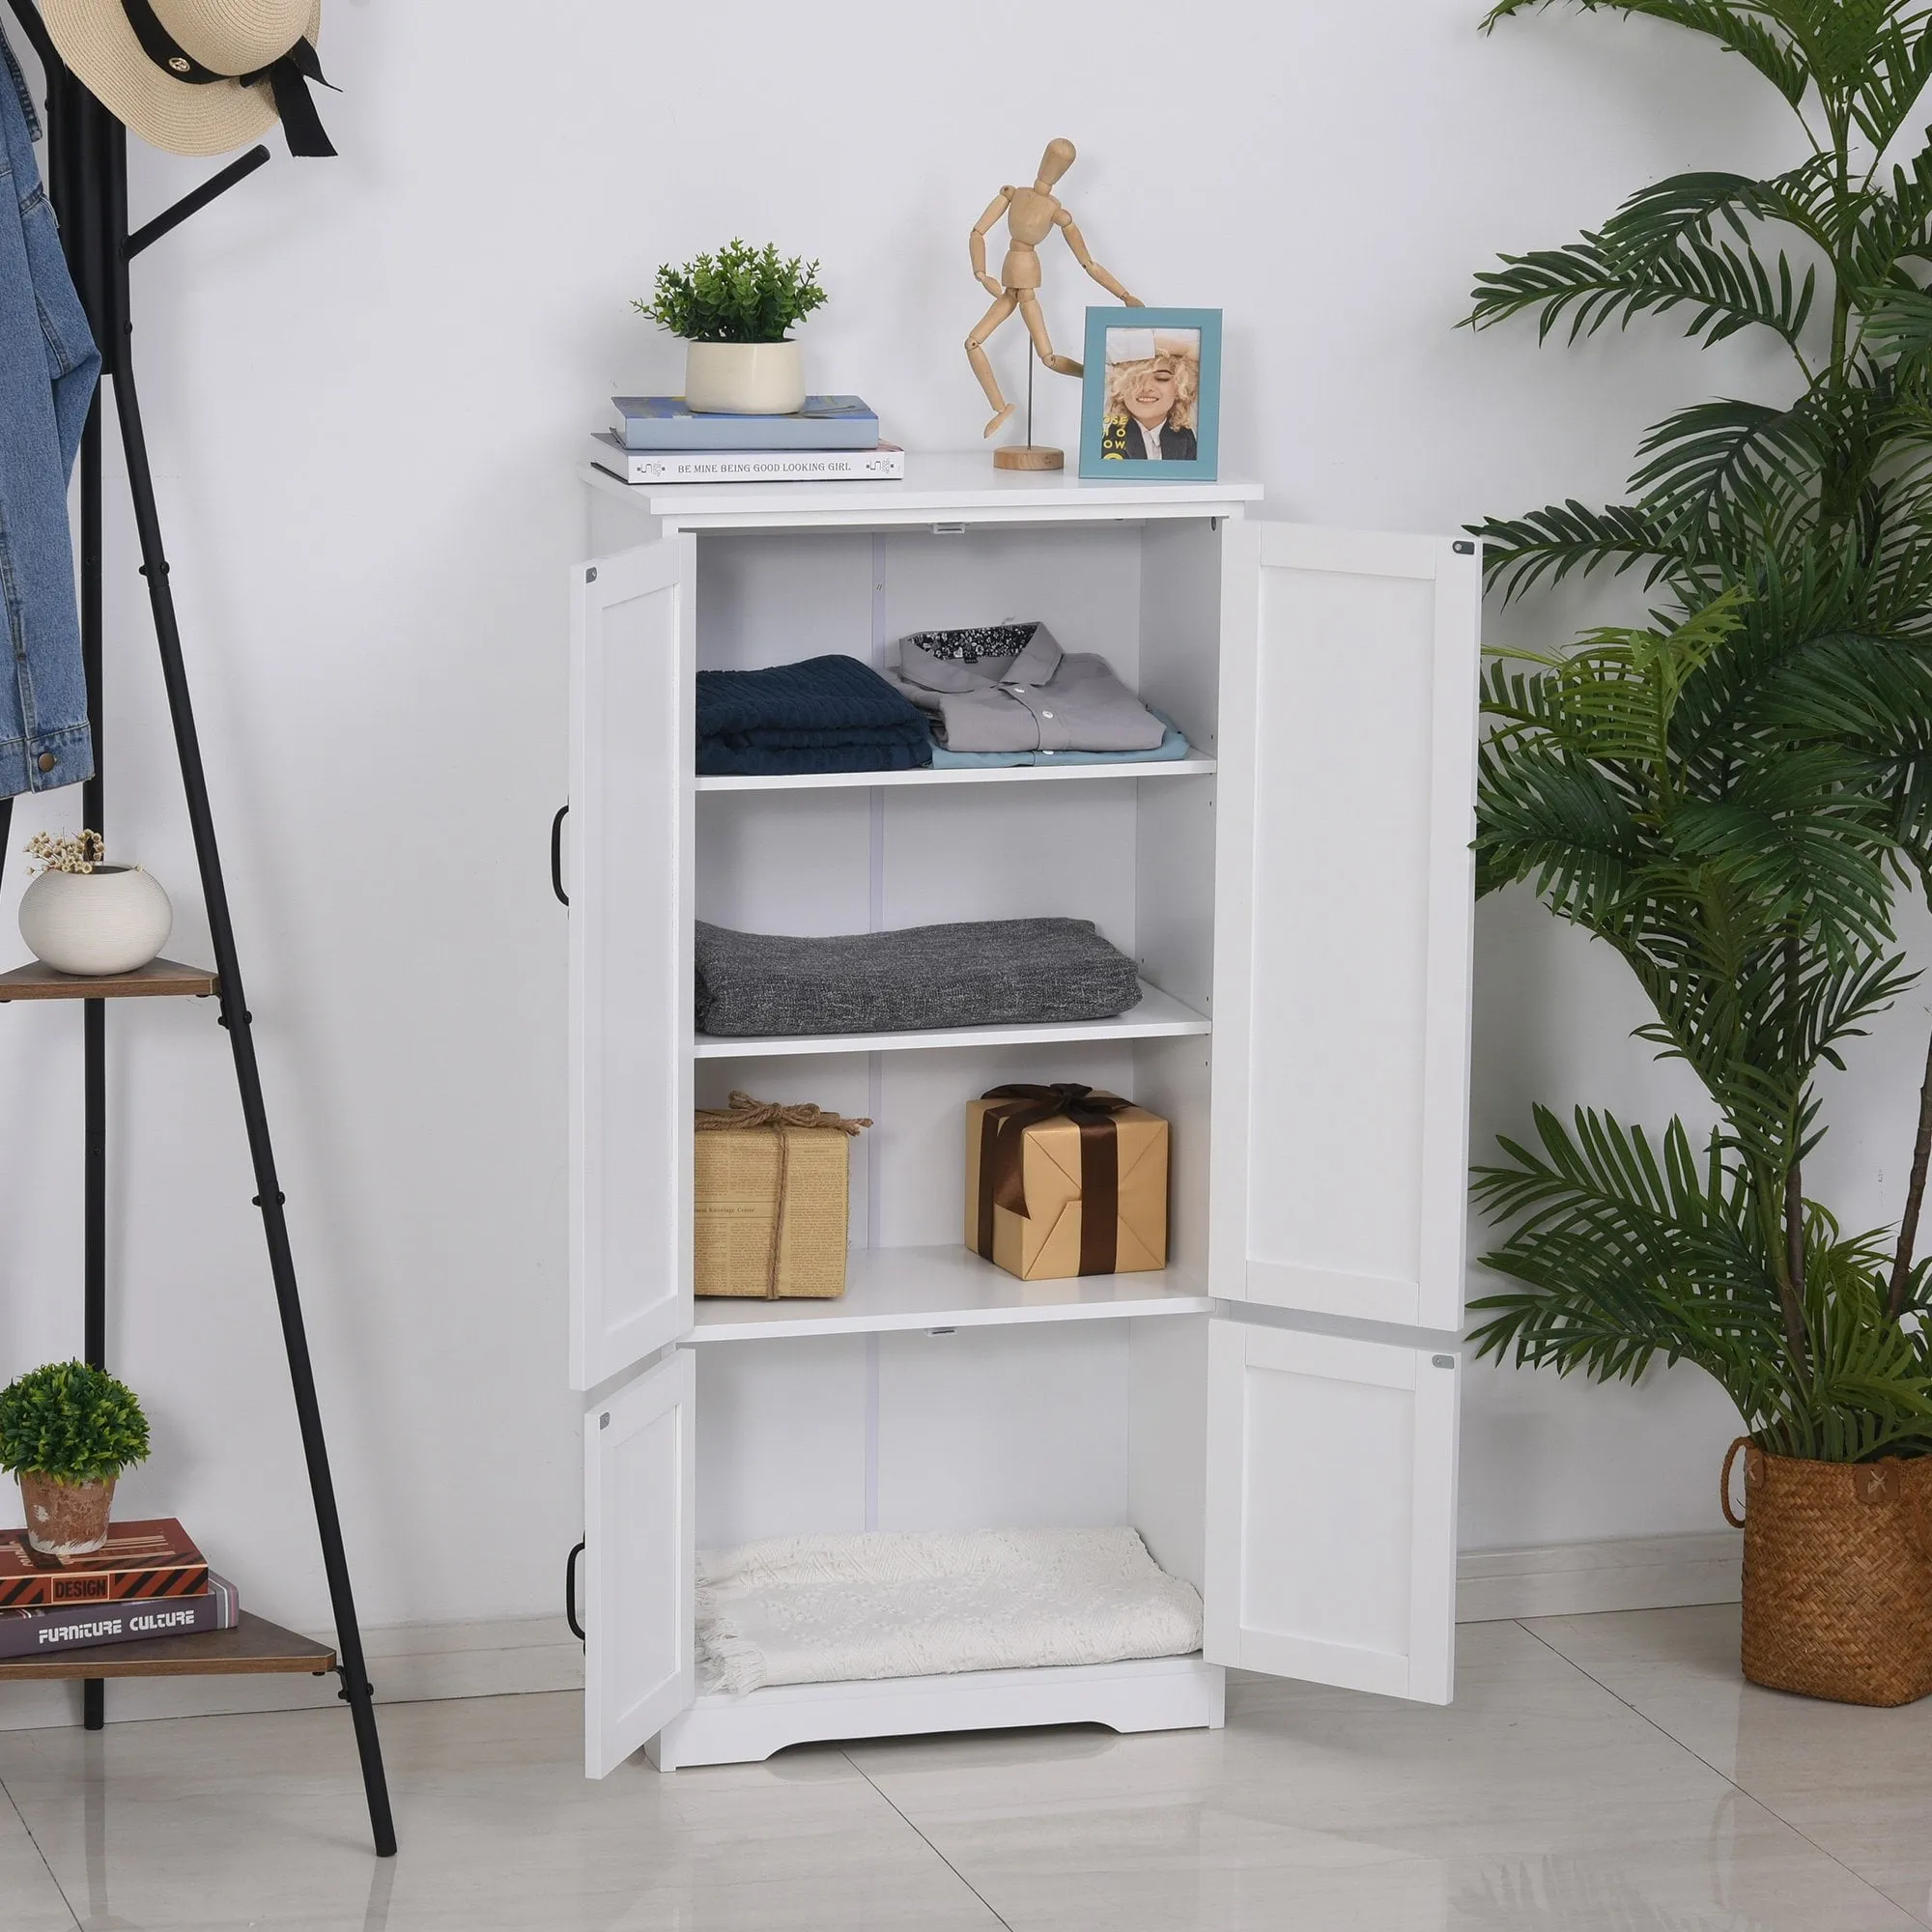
[735,311]
[68,1431]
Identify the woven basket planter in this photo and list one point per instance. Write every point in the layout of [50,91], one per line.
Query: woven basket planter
[1837,1575]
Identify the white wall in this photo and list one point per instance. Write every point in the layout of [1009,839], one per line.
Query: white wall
[366,382]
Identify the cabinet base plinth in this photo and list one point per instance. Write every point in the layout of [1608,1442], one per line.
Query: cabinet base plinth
[1159,1693]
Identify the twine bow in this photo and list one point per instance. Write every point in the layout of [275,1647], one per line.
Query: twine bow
[741,1111]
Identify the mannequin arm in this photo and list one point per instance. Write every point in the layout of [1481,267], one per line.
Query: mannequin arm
[1077,243]
[977,246]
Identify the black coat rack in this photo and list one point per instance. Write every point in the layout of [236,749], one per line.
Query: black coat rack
[87,181]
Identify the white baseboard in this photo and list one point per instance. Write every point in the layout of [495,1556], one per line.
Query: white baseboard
[411,1663]
[1630,1572]
[408,1663]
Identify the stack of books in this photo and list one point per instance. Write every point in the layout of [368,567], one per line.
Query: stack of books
[147,1582]
[831,440]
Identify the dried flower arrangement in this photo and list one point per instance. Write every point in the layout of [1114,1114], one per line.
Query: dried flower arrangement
[81,853]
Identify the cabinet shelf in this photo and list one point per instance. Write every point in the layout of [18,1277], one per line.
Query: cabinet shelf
[254,1648]
[1158,1016]
[911,1289]
[1169,768]
[942,490]
[158,978]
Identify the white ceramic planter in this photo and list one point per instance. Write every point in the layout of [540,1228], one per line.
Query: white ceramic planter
[110,920]
[742,379]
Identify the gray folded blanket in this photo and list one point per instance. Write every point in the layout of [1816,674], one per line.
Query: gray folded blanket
[998,972]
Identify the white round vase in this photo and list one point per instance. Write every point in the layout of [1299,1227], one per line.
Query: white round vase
[111,920]
[742,379]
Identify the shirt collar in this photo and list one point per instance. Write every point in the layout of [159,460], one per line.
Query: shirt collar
[1037,663]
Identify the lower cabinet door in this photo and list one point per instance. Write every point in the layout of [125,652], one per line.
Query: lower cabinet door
[639,1559]
[1331,1509]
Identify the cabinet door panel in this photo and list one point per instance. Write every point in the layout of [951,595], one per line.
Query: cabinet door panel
[1331,1510]
[639,1559]
[629,879]
[1344,887]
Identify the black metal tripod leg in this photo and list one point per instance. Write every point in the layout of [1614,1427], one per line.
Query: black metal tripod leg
[247,1078]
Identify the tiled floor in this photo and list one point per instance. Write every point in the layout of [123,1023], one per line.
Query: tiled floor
[1603,1774]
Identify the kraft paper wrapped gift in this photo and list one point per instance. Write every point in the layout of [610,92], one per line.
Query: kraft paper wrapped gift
[768,1192]
[1062,1181]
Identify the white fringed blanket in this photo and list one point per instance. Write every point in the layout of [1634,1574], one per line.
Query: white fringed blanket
[831,1609]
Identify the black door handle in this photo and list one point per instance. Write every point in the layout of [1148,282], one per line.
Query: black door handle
[570,1593]
[557,855]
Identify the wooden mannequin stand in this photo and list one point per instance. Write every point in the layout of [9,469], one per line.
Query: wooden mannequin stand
[1032,214]
[87,180]
[1029,455]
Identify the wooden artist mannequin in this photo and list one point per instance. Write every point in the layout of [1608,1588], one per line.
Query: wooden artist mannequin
[1032,214]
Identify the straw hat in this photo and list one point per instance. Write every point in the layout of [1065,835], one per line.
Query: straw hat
[197,76]
[1141,345]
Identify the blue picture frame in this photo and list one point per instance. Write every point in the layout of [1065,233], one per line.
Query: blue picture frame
[1111,441]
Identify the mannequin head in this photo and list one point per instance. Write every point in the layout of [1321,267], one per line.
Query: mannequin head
[1054,163]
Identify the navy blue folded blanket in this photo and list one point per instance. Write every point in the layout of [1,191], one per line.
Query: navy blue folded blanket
[830,714]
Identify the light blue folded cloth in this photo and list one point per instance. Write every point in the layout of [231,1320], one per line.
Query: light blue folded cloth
[1172,746]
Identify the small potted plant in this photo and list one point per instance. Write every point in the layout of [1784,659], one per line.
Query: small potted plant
[68,1431]
[83,916]
[733,310]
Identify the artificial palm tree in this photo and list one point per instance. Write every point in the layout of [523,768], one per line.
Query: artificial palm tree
[1732,795]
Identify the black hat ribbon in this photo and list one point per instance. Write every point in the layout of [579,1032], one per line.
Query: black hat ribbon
[288,77]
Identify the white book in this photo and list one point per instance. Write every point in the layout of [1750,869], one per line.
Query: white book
[746,466]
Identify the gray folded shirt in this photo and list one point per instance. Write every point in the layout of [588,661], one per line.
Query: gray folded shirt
[1013,971]
[1010,688]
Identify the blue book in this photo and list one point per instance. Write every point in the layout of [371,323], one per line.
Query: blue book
[826,422]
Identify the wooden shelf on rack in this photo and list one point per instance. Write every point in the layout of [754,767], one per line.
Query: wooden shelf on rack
[158,978]
[254,1648]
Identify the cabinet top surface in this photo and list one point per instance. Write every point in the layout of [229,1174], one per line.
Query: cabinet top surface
[936,485]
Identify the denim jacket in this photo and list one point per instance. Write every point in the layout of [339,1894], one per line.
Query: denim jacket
[49,364]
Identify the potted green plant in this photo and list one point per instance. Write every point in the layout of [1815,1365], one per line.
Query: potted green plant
[81,915]
[735,311]
[68,1431]
[1729,796]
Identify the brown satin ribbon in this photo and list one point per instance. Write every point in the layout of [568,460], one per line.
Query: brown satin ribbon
[1003,1133]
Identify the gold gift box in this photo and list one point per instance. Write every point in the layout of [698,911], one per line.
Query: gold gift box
[1039,1158]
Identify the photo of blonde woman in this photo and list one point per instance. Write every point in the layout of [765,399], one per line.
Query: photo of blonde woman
[1154,388]
[1150,395]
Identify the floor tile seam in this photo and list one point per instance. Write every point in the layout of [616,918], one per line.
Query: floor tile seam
[927,1843]
[40,1852]
[1763,1804]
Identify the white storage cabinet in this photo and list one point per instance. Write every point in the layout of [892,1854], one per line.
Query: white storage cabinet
[1275,1412]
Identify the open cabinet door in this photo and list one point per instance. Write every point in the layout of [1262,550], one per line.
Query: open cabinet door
[1344,899]
[1331,1510]
[640,1561]
[629,874]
